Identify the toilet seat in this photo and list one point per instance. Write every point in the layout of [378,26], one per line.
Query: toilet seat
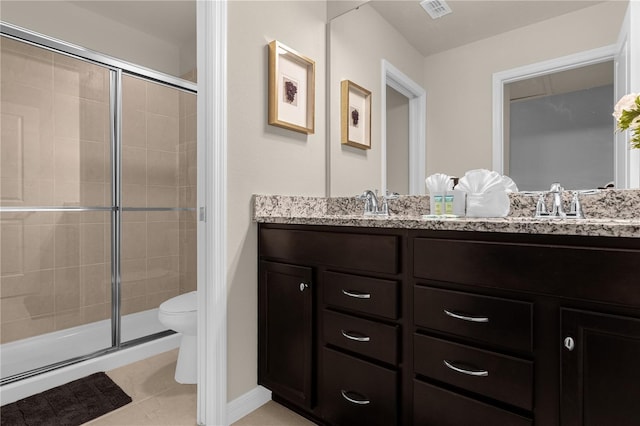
[182,304]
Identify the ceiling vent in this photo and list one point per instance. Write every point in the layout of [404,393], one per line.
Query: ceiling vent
[436,8]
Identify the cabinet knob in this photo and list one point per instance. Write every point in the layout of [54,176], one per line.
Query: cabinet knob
[303,286]
[569,343]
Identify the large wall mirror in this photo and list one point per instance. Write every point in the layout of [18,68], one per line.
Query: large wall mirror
[367,50]
[454,58]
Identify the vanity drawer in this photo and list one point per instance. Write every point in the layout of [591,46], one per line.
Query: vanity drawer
[374,253]
[356,392]
[566,267]
[433,406]
[500,322]
[494,375]
[361,294]
[369,338]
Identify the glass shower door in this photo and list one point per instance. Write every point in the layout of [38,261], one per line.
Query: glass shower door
[55,207]
[158,249]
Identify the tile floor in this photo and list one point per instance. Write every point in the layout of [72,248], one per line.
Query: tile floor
[273,414]
[158,400]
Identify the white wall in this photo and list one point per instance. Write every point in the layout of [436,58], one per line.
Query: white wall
[76,25]
[358,41]
[261,158]
[458,81]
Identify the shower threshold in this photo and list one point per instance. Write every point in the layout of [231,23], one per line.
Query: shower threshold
[23,357]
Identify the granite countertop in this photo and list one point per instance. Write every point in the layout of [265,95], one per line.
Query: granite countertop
[408,212]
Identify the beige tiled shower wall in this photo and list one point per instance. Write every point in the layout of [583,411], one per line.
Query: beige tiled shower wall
[55,268]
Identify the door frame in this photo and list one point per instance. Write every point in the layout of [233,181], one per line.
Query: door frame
[396,79]
[212,212]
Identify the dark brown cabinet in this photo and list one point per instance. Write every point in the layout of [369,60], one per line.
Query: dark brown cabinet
[418,327]
[525,329]
[285,337]
[330,321]
[600,369]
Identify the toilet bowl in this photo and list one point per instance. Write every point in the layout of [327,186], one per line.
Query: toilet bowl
[180,314]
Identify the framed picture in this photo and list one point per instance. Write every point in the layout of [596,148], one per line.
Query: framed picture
[355,108]
[291,89]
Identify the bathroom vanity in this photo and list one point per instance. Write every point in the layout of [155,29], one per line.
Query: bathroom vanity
[406,321]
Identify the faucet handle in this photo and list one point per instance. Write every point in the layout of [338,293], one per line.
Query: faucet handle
[366,195]
[385,205]
[575,210]
[541,206]
[391,195]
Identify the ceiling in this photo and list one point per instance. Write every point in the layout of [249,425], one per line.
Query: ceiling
[469,21]
[173,21]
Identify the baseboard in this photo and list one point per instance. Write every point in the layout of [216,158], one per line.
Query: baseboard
[245,404]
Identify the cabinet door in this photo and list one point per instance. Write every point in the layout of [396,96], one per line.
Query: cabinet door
[286,331]
[600,369]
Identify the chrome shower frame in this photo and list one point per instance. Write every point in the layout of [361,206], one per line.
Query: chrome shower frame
[116,69]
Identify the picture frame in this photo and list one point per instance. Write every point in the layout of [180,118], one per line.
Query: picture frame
[355,112]
[291,89]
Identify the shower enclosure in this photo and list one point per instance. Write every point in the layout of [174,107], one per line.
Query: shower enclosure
[97,202]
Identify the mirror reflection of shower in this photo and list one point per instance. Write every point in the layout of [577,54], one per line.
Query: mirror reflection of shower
[560,129]
[97,203]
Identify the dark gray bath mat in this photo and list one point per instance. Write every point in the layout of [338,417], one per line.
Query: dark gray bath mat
[71,404]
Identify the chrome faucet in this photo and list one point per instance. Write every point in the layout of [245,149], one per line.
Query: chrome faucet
[370,202]
[372,205]
[556,208]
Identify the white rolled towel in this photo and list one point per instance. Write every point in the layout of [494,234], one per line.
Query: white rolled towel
[438,182]
[488,204]
[487,193]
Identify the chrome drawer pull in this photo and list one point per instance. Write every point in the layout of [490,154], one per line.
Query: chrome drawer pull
[354,401]
[478,373]
[356,338]
[356,295]
[465,317]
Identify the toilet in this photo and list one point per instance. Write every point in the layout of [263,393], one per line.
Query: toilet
[180,314]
